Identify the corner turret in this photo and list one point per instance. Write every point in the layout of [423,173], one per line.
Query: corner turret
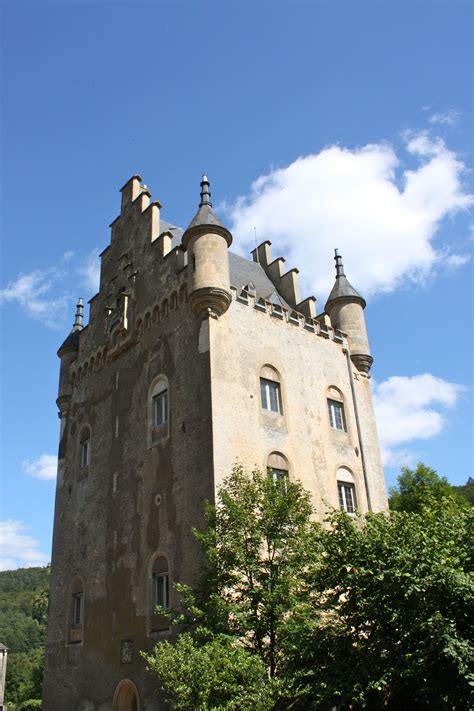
[68,353]
[345,307]
[207,241]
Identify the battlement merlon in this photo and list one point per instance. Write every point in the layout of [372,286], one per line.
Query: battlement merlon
[286,283]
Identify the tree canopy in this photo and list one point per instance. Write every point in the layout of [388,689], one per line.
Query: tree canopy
[370,612]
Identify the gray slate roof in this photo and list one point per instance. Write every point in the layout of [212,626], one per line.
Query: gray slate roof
[342,288]
[205,216]
[244,272]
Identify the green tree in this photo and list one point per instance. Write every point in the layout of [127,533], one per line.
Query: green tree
[421,487]
[256,545]
[211,675]
[466,490]
[389,617]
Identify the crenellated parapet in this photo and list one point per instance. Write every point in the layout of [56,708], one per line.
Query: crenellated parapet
[285,282]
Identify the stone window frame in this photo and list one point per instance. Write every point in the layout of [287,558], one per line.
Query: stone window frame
[157,434]
[158,567]
[75,629]
[277,461]
[334,395]
[272,418]
[84,438]
[346,480]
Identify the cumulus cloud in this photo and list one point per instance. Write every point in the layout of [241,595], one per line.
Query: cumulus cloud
[32,293]
[445,118]
[18,549]
[90,272]
[411,408]
[43,467]
[380,213]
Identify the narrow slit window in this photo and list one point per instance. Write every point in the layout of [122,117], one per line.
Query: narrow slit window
[160,408]
[77,611]
[85,453]
[271,396]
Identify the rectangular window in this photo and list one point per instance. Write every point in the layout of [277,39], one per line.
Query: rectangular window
[346,497]
[160,408]
[77,609]
[336,415]
[270,393]
[277,474]
[85,453]
[161,590]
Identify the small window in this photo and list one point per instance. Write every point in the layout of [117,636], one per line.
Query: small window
[346,497]
[159,594]
[160,408]
[161,589]
[77,609]
[271,397]
[278,474]
[85,453]
[336,415]
[278,467]
[75,612]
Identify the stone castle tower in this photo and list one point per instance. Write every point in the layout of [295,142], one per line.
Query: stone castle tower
[193,357]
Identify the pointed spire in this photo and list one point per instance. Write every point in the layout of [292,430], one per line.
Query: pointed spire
[339,264]
[79,320]
[342,289]
[205,192]
[205,216]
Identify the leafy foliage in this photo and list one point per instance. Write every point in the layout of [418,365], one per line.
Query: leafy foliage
[211,675]
[466,490]
[257,542]
[389,616]
[23,617]
[422,487]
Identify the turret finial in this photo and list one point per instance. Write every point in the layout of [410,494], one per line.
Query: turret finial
[79,320]
[339,264]
[205,193]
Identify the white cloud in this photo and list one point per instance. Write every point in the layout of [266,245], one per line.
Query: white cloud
[30,291]
[90,272]
[445,118]
[17,549]
[43,467]
[411,408]
[381,214]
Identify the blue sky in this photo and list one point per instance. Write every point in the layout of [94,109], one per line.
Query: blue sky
[322,124]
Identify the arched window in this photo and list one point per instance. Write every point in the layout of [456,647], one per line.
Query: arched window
[174,300]
[277,467]
[147,320]
[156,314]
[84,451]
[158,410]
[76,611]
[337,417]
[346,490]
[165,309]
[270,390]
[159,593]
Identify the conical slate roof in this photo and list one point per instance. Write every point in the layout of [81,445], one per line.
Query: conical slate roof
[342,288]
[72,340]
[205,216]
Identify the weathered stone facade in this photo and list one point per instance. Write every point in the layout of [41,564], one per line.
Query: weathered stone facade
[183,325]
